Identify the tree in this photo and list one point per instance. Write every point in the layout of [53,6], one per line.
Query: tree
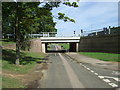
[28,18]
[8,18]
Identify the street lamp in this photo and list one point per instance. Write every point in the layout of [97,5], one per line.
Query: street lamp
[82,32]
[74,33]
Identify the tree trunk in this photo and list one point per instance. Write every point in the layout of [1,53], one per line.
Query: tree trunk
[17,37]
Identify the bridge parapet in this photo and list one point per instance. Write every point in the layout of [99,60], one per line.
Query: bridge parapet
[63,38]
[60,39]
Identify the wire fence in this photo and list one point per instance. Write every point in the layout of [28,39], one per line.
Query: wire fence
[101,32]
[97,32]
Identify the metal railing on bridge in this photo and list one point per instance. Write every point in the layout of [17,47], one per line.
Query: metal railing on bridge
[97,32]
[43,34]
[101,32]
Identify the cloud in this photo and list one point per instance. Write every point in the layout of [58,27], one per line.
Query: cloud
[89,14]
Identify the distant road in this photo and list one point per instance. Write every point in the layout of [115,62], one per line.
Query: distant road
[64,73]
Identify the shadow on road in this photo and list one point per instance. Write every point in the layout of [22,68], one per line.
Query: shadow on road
[56,51]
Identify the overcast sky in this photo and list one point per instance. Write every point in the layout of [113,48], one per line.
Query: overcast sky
[89,15]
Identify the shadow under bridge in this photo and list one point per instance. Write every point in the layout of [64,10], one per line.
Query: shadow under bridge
[73,43]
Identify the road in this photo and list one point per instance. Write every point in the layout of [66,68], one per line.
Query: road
[63,72]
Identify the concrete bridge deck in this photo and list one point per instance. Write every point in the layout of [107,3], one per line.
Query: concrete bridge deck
[73,42]
[60,39]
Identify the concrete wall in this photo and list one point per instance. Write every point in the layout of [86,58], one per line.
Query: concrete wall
[36,45]
[107,43]
[44,47]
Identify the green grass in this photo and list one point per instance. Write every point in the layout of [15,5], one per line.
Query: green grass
[102,56]
[49,47]
[28,61]
[6,42]
[8,82]
[64,45]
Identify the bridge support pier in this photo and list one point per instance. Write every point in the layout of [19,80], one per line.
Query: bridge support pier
[77,47]
[74,47]
[43,48]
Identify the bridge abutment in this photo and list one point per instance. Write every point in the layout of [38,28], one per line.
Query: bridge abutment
[74,47]
[43,48]
[73,42]
[77,47]
[35,45]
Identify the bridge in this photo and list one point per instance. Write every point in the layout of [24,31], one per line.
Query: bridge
[50,37]
[73,42]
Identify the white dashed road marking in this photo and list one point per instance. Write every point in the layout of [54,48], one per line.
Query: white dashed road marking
[88,68]
[96,73]
[103,77]
[84,66]
[92,71]
[113,84]
[80,63]
[106,80]
[72,76]
[117,79]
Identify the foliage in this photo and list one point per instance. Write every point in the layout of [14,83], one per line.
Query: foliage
[24,18]
[62,16]
[74,4]
[31,19]
[102,56]
[65,45]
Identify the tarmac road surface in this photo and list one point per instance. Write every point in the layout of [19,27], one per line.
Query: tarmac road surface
[64,73]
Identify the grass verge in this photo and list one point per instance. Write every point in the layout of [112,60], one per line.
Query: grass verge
[28,61]
[9,82]
[49,47]
[64,45]
[102,56]
[4,42]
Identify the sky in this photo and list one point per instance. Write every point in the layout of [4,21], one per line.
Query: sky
[88,16]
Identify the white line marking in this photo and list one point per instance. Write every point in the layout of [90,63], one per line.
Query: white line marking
[84,66]
[71,74]
[92,71]
[113,84]
[80,63]
[101,77]
[88,68]
[117,79]
[106,80]
[96,73]
[56,49]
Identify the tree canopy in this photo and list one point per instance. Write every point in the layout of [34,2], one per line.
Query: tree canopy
[23,18]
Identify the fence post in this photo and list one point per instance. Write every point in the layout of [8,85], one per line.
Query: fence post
[96,33]
[82,32]
[74,33]
[48,34]
[109,29]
